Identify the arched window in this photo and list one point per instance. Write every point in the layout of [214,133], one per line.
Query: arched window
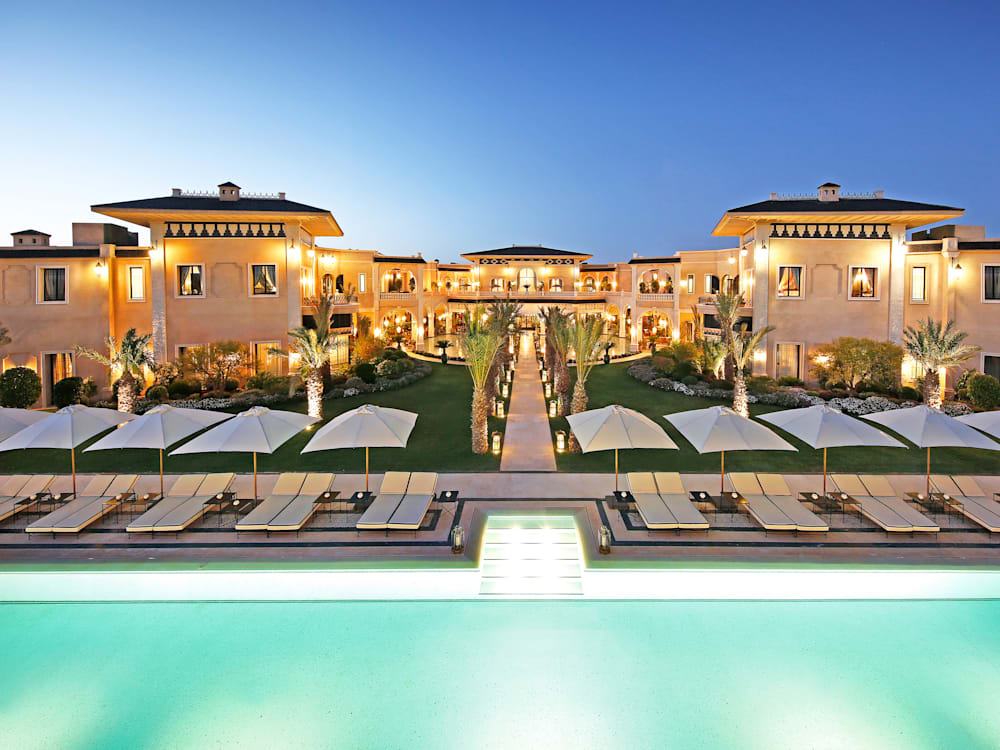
[526,278]
[413,284]
[605,284]
[668,285]
[555,285]
[589,284]
[326,285]
[340,283]
[496,285]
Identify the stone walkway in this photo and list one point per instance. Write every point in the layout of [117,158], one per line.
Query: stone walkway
[527,444]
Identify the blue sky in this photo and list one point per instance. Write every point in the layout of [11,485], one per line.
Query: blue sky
[611,128]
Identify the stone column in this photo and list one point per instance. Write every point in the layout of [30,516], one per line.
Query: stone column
[896,283]
[158,290]
[761,289]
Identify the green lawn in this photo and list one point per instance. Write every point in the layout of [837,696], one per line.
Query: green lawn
[612,385]
[439,441]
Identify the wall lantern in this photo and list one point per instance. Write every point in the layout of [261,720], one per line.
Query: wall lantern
[496,443]
[100,269]
[310,252]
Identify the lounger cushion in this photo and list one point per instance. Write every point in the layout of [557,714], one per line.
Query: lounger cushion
[12,485]
[653,512]
[379,512]
[264,513]
[394,483]
[411,511]
[641,481]
[185,485]
[804,519]
[95,509]
[146,521]
[295,515]
[684,511]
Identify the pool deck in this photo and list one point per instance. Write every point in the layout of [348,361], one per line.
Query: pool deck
[330,537]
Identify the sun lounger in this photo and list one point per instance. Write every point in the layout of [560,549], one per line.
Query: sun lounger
[973,502]
[777,492]
[652,510]
[31,492]
[759,506]
[869,507]
[10,495]
[297,513]
[182,489]
[390,495]
[285,490]
[100,497]
[879,488]
[195,507]
[678,501]
[416,502]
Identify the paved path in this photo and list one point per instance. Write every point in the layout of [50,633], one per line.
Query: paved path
[527,443]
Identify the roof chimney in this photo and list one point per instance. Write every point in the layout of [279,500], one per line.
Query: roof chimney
[281,196]
[30,237]
[829,191]
[880,194]
[175,192]
[229,191]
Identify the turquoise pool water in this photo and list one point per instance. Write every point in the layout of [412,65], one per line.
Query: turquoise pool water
[501,674]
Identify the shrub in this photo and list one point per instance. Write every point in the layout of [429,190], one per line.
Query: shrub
[724,385]
[984,391]
[689,380]
[790,380]
[157,393]
[353,384]
[183,388]
[909,393]
[260,381]
[20,387]
[89,389]
[760,384]
[67,391]
[387,368]
[365,371]
[394,354]
[405,365]
[853,361]
[663,365]
[231,384]
[683,370]
[278,385]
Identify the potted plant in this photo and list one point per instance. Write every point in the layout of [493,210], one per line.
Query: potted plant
[607,352]
[443,346]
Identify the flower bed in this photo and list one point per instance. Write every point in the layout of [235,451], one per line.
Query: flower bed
[789,398]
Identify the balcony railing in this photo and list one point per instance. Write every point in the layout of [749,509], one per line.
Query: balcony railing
[398,296]
[531,293]
[658,297]
[338,299]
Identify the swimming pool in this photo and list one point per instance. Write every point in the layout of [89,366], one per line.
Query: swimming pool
[501,674]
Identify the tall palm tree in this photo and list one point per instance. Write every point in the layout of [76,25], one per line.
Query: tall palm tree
[479,343]
[713,356]
[503,313]
[936,347]
[585,335]
[127,357]
[740,345]
[313,347]
[557,336]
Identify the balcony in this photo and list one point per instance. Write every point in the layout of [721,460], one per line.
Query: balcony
[397,296]
[531,294]
[650,297]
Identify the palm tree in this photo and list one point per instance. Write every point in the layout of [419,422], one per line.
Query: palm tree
[585,335]
[740,345]
[503,313]
[129,358]
[713,356]
[936,347]
[557,336]
[479,343]
[313,347]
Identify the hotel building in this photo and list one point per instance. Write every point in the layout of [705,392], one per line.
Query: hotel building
[230,265]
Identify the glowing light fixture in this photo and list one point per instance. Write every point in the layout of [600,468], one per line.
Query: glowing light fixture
[560,441]
[496,443]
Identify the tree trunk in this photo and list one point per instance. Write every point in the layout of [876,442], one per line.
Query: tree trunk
[565,386]
[126,393]
[932,389]
[314,394]
[740,403]
[480,421]
[579,405]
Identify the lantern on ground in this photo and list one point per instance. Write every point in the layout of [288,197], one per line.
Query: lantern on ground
[498,408]
[545,376]
[495,443]
[604,540]
[457,540]
[505,390]
[552,408]
[560,441]
[548,390]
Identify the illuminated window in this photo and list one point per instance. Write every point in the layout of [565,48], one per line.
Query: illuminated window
[918,284]
[690,283]
[555,285]
[789,281]
[864,282]
[787,360]
[711,284]
[496,285]
[189,281]
[264,358]
[362,283]
[991,283]
[326,284]
[263,279]
[52,284]
[136,284]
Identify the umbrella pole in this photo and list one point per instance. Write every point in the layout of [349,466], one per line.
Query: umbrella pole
[616,470]
[255,476]
[928,471]
[72,466]
[161,472]
[722,472]
[824,472]
[366,468]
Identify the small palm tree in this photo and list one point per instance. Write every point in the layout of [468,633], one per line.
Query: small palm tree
[936,347]
[128,358]
[312,347]
[740,345]
[503,313]
[585,335]
[557,337]
[713,356]
[479,342]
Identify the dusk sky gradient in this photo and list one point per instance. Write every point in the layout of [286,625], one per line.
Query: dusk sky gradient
[610,128]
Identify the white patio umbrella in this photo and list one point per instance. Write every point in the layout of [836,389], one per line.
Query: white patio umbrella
[719,429]
[985,421]
[368,426]
[822,426]
[14,420]
[66,429]
[931,428]
[615,427]
[159,428]
[256,430]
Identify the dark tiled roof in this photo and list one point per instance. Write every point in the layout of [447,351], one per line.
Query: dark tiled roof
[32,231]
[228,184]
[662,259]
[979,245]
[396,259]
[597,267]
[829,184]
[527,250]
[131,252]
[33,251]
[842,206]
[189,203]
[455,266]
